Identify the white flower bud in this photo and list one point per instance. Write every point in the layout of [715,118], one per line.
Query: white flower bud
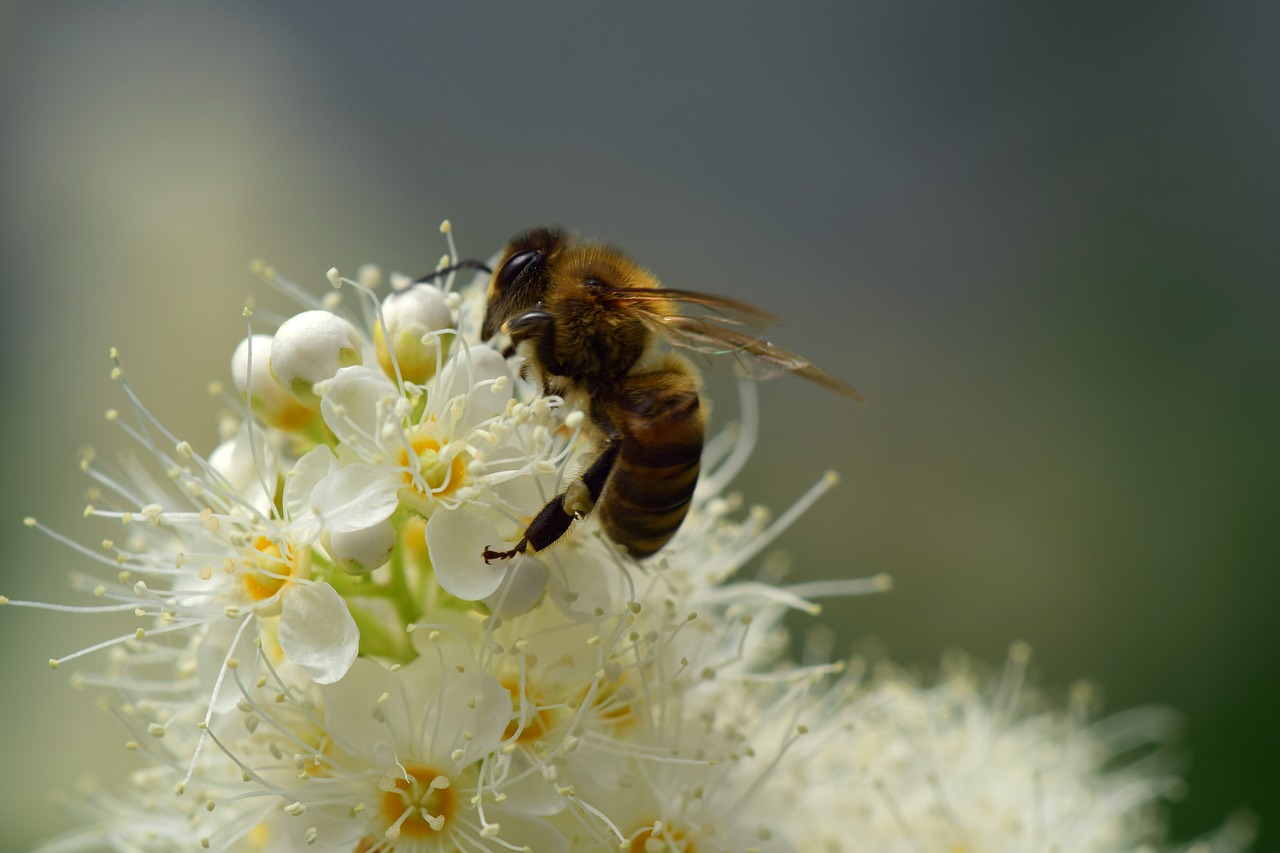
[237,461]
[358,552]
[311,347]
[409,315]
[271,401]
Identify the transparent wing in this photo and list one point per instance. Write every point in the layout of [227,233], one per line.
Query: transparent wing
[756,357]
[658,302]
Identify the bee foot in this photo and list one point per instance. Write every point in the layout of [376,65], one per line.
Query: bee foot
[490,555]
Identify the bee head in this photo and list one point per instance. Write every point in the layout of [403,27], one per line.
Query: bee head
[520,280]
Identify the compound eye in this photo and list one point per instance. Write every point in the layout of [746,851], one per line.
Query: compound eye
[514,266]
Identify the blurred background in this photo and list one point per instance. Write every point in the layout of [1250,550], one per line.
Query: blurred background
[1042,241]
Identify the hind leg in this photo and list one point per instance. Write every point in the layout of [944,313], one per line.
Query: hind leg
[576,501]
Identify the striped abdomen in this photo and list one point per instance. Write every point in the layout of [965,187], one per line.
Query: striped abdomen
[660,427]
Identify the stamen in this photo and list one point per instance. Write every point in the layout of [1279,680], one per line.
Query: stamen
[748,431]
[763,540]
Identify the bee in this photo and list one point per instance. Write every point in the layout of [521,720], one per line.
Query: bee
[593,326]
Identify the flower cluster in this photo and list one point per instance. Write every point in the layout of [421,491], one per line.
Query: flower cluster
[323,659]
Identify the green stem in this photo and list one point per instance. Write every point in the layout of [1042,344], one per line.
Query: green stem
[377,640]
[402,594]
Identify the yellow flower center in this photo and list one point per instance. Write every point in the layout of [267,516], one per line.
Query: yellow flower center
[615,703]
[536,721]
[318,739]
[419,805]
[443,477]
[269,570]
[669,840]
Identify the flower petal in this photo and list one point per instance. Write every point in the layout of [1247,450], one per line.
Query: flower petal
[356,403]
[469,366]
[350,705]
[216,649]
[472,711]
[521,588]
[317,631]
[309,470]
[356,497]
[455,540]
[358,552]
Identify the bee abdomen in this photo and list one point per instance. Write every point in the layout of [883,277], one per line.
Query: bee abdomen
[646,498]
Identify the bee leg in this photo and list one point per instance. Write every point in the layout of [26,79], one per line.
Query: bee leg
[549,525]
[538,327]
[575,502]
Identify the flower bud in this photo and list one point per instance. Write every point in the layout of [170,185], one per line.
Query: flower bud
[251,372]
[410,315]
[251,471]
[311,347]
[358,552]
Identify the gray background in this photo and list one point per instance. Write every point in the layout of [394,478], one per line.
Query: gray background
[1041,240]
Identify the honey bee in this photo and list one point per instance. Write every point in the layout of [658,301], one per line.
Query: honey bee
[590,324]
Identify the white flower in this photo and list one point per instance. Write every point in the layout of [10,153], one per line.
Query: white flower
[403,759]
[324,660]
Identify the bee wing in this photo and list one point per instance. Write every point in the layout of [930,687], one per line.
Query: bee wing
[658,308]
[655,301]
[757,357]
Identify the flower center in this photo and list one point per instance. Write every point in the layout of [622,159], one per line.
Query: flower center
[443,477]
[268,570]
[318,739]
[418,803]
[536,721]
[614,703]
[662,838]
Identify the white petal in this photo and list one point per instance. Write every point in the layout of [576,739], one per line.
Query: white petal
[314,466]
[317,631]
[214,652]
[455,540]
[528,833]
[356,496]
[466,368]
[356,403]
[590,580]
[521,589]
[528,792]
[473,714]
[350,703]
[358,552]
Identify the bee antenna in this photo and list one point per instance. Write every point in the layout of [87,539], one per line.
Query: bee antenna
[468,264]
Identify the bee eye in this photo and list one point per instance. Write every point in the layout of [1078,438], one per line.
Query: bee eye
[514,266]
